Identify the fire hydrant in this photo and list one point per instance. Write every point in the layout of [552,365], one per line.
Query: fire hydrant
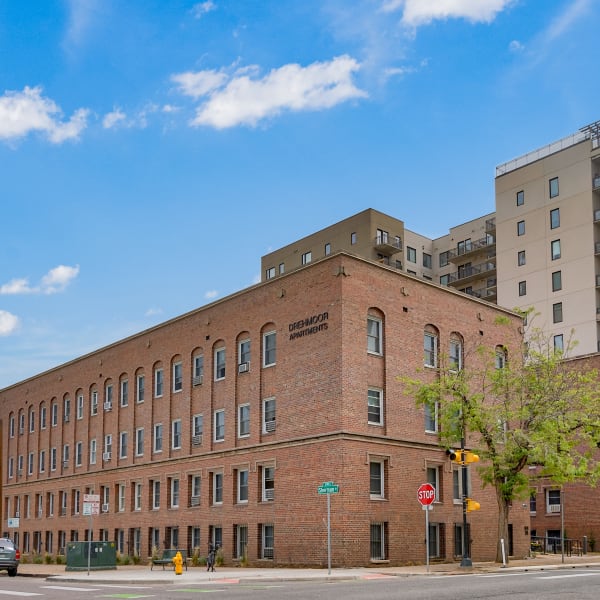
[178,562]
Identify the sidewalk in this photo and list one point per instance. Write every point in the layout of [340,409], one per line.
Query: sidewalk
[142,575]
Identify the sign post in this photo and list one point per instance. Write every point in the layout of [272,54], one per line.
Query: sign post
[426,497]
[328,488]
[91,506]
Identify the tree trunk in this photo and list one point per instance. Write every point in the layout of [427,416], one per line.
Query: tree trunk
[502,525]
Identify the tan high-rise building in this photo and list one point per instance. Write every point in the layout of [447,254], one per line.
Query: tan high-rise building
[548,237]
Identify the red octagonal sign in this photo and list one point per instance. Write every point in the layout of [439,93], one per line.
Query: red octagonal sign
[426,494]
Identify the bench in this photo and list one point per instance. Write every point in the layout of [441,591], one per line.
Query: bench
[167,558]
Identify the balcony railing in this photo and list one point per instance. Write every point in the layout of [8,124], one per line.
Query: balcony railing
[490,225]
[472,247]
[388,246]
[471,272]
[596,182]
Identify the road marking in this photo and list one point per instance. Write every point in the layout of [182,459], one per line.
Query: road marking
[567,576]
[69,589]
[12,593]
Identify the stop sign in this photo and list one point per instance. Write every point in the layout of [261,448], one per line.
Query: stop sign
[426,494]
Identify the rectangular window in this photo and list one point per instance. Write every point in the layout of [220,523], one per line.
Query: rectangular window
[327,249]
[219,425]
[242,485]
[521,258]
[268,484]
[244,356]
[522,288]
[176,434]
[30,463]
[377,479]
[281,268]
[158,383]
[555,249]
[557,281]
[53,416]
[553,187]
[306,258]
[520,198]
[267,541]
[94,403]
[500,359]
[464,246]
[195,486]
[433,477]
[78,453]
[427,261]
[378,541]
[139,441]
[374,335]
[217,488]
[174,492]
[155,494]
[555,218]
[521,228]
[121,497]
[124,392]
[244,420]
[108,396]
[557,313]
[353,238]
[139,388]
[455,355]
[553,501]
[411,254]
[31,421]
[430,349]
[269,422]
[157,441]
[177,377]
[269,348]
[53,459]
[197,429]
[93,451]
[457,485]
[375,406]
[43,417]
[559,343]
[137,496]
[198,370]
[270,273]
[444,279]
[444,256]
[65,455]
[431,417]
[123,444]
[219,364]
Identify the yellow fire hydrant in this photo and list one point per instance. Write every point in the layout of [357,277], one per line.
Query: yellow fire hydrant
[178,562]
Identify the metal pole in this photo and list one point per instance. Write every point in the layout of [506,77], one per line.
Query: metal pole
[562,525]
[329,534]
[90,545]
[427,536]
[466,559]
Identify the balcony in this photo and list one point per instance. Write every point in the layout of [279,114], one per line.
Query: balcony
[485,293]
[471,273]
[384,245]
[596,248]
[473,248]
[490,225]
[597,215]
[596,183]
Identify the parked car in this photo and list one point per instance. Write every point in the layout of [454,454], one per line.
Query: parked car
[9,556]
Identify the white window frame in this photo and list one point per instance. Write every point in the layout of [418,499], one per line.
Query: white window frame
[431,417]
[219,425]
[269,348]
[139,441]
[155,494]
[268,483]
[43,416]
[244,420]
[217,478]
[433,477]
[175,491]
[196,486]
[197,424]
[42,464]
[430,348]
[372,395]
[374,336]
[244,348]
[124,392]
[243,477]
[80,403]
[78,454]
[121,497]
[220,364]
[157,438]
[53,414]
[176,433]
[137,496]
[140,388]
[379,463]
[94,403]
[455,355]
[269,416]
[177,377]
[159,382]
[93,451]
[123,439]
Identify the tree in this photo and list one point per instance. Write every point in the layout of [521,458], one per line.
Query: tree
[537,408]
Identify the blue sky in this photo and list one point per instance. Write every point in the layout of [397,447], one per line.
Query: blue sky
[151,152]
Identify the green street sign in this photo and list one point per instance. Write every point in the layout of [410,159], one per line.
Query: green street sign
[328,487]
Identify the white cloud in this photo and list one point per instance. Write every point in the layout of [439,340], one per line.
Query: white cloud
[56,280]
[422,12]
[153,312]
[27,111]
[516,46]
[8,323]
[113,118]
[202,8]
[211,294]
[83,14]
[246,99]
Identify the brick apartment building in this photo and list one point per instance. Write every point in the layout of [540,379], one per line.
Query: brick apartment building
[220,425]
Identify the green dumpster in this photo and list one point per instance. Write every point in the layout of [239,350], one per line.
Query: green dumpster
[93,555]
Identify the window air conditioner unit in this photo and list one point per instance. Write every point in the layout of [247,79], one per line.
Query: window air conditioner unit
[197,380]
[67,417]
[105,508]
[270,494]
[21,430]
[107,456]
[108,406]
[195,501]
[197,440]
[270,426]
[20,472]
[554,508]
[243,367]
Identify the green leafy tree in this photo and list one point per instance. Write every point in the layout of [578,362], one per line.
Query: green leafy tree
[534,408]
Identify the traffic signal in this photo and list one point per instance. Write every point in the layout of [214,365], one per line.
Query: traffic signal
[472,505]
[462,457]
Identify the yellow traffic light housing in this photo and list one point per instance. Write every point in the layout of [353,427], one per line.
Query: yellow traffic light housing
[472,505]
[455,456]
[462,457]
[470,457]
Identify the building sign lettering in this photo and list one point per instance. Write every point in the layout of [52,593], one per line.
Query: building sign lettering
[308,326]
